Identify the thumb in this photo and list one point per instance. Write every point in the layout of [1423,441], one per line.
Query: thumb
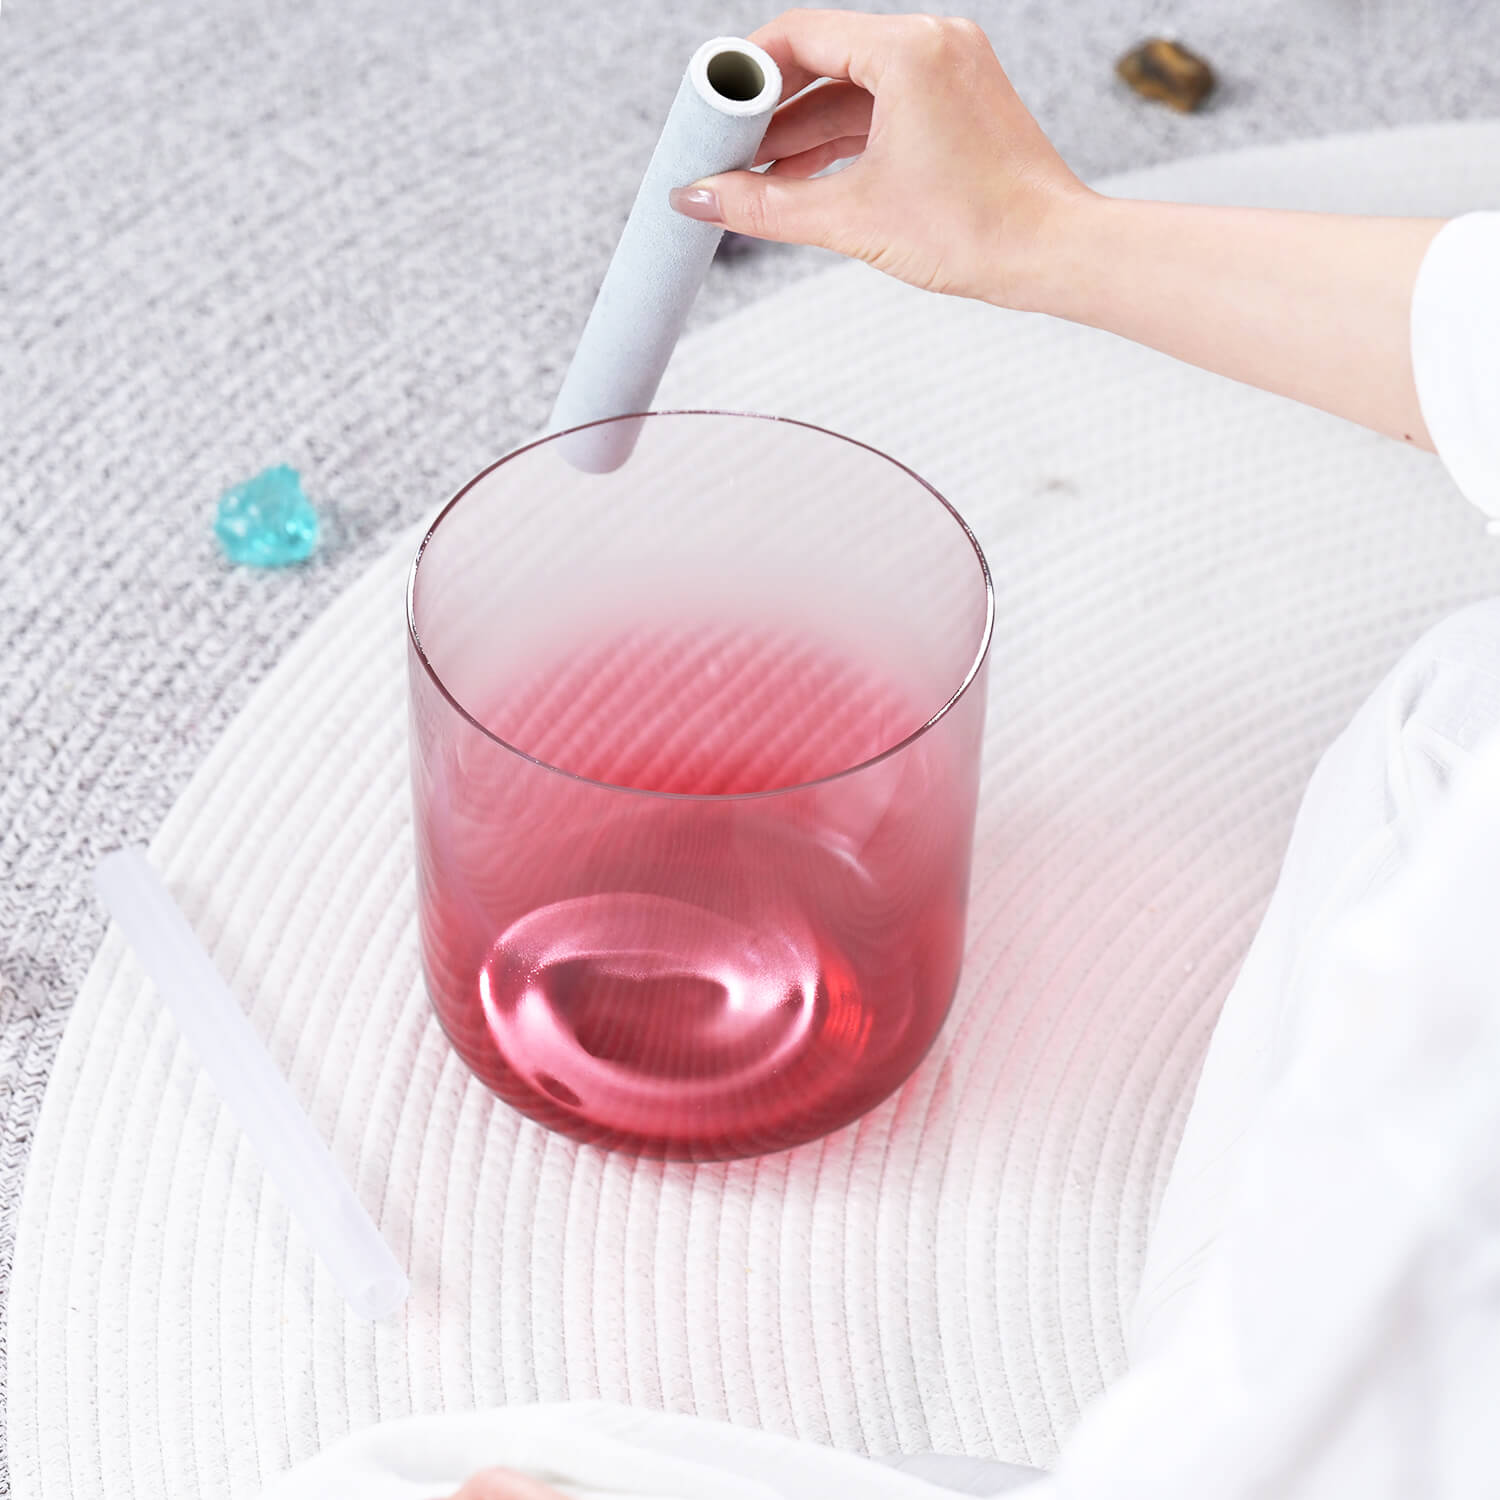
[794,210]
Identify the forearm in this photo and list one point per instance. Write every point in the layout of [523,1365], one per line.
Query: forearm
[1313,306]
[957,190]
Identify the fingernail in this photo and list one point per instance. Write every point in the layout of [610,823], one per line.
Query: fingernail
[696,203]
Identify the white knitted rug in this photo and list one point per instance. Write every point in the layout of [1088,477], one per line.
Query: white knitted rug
[1196,584]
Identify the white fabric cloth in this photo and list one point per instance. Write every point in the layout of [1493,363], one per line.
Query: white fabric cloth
[595,1449]
[1367,802]
[1344,1342]
[1455,329]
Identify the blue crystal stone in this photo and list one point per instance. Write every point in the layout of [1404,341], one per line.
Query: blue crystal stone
[268,521]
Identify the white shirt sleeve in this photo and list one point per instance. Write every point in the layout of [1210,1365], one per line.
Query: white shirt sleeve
[1455,350]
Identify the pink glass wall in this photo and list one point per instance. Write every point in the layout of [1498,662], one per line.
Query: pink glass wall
[695,749]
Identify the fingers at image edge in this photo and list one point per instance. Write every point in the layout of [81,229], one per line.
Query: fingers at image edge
[501,1484]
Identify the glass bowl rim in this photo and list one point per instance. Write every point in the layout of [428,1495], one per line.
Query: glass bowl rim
[976,667]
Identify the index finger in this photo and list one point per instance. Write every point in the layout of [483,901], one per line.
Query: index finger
[811,44]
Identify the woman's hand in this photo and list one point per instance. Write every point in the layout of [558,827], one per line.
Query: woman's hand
[956,188]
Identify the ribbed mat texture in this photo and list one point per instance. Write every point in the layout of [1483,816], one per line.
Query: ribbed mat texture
[1196,585]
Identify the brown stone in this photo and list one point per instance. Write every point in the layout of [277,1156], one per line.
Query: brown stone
[1159,69]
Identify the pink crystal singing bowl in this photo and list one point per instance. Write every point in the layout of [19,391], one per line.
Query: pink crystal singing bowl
[695,753]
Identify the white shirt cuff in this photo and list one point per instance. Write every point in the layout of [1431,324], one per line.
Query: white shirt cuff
[1455,351]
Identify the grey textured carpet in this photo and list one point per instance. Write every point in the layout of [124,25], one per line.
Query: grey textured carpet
[360,238]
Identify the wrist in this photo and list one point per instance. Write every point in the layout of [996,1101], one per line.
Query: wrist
[1064,267]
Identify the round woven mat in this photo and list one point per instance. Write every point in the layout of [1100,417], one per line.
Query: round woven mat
[1196,584]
